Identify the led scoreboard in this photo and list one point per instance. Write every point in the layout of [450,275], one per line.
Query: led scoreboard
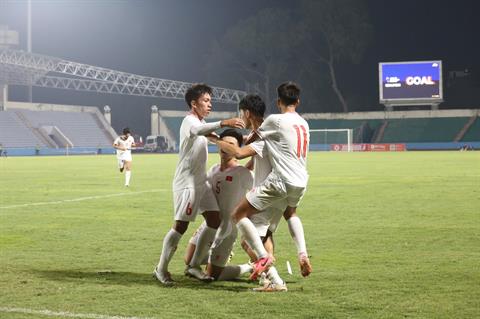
[410,83]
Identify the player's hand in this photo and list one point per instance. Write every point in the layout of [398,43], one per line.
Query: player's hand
[234,122]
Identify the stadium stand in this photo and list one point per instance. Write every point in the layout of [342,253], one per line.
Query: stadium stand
[423,130]
[50,126]
[80,128]
[417,129]
[473,132]
[14,132]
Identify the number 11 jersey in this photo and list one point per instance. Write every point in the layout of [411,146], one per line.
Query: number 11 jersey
[287,138]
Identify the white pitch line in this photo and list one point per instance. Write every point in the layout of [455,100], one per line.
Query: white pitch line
[50,313]
[79,199]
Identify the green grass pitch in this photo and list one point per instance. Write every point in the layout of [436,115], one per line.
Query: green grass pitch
[391,235]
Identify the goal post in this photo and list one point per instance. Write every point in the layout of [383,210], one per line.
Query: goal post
[327,137]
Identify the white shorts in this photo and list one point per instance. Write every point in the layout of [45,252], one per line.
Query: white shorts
[127,157]
[272,191]
[189,201]
[269,218]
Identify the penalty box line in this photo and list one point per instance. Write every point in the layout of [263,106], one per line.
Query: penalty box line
[64,314]
[79,199]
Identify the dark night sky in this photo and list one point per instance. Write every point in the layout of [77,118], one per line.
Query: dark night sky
[169,39]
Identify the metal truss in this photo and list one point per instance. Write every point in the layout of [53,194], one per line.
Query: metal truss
[19,67]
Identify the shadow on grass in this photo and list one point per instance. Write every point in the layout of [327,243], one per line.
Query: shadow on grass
[107,277]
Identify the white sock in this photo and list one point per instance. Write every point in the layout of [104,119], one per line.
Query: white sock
[170,243]
[204,242]
[296,231]
[127,177]
[231,272]
[249,232]
[274,276]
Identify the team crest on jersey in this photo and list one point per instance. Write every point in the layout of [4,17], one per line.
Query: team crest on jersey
[229,178]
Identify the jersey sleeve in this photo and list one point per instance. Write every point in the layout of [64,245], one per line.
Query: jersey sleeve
[258,147]
[204,128]
[187,124]
[117,140]
[269,127]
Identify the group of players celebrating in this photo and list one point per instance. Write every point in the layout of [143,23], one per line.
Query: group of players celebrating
[230,197]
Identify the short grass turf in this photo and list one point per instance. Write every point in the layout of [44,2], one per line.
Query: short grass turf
[391,235]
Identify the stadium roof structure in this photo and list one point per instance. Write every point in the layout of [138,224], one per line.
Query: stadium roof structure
[23,68]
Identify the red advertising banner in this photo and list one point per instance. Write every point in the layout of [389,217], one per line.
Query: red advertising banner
[369,147]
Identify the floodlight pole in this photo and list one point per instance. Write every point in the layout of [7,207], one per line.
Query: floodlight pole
[29,41]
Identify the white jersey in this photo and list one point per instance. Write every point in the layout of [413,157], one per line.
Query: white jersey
[124,143]
[287,138]
[229,186]
[261,162]
[193,153]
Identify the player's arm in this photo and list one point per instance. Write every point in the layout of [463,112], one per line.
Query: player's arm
[250,164]
[238,152]
[213,137]
[207,128]
[118,147]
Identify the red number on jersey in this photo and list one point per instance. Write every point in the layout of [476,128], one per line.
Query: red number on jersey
[189,209]
[302,140]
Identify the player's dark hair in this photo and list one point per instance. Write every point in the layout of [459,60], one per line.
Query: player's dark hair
[233,133]
[195,92]
[253,103]
[288,93]
[126,131]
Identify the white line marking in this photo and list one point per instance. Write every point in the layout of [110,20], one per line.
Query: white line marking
[79,199]
[289,268]
[50,313]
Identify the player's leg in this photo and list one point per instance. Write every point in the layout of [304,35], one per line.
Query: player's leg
[189,252]
[170,243]
[185,211]
[295,227]
[217,264]
[273,283]
[271,280]
[247,228]
[120,164]
[218,257]
[263,222]
[249,251]
[205,239]
[209,206]
[128,172]
[192,245]
[260,198]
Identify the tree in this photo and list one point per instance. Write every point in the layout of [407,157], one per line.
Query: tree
[276,45]
[257,51]
[335,31]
